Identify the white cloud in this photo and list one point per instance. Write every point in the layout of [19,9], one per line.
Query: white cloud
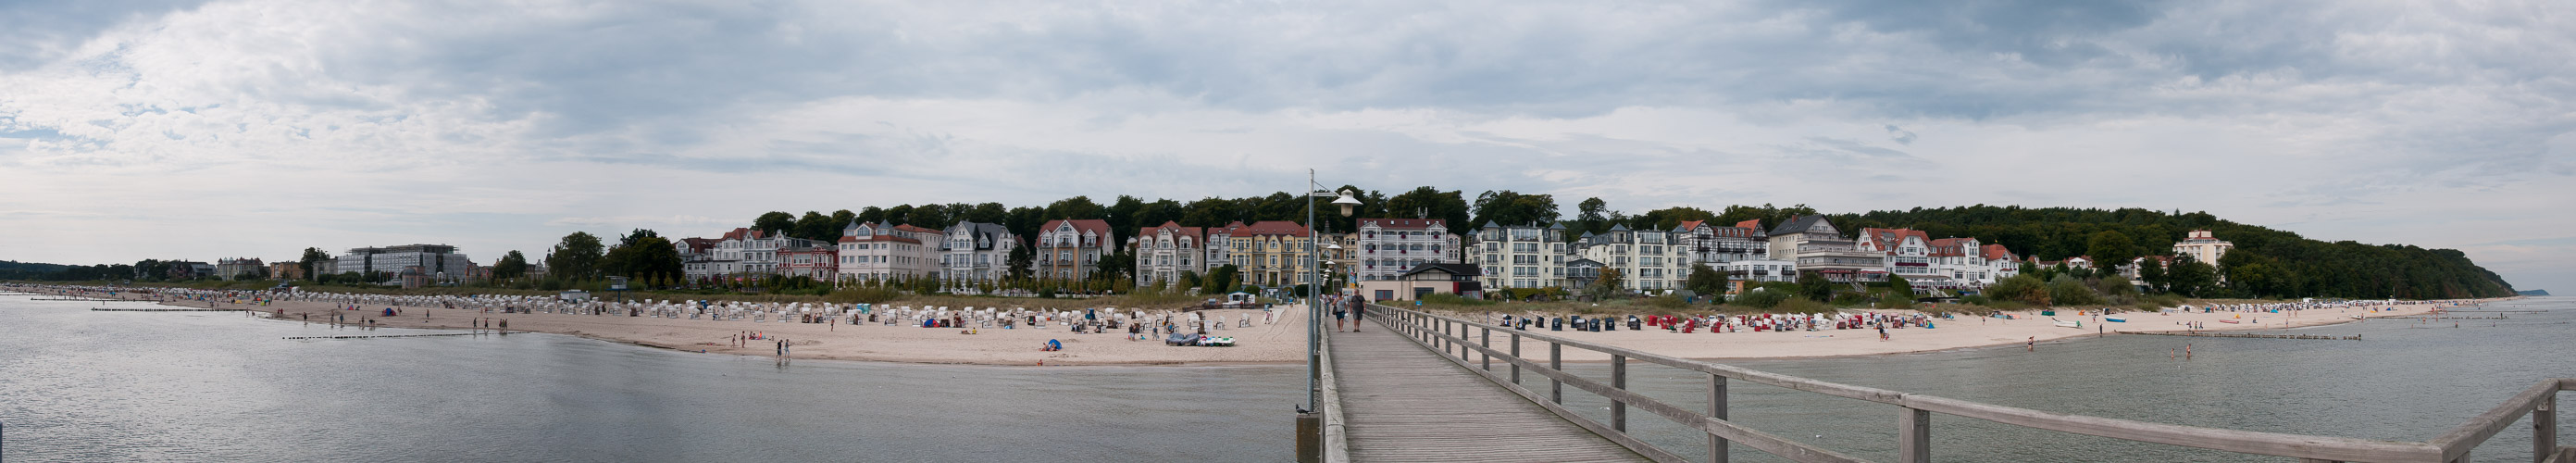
[265,126]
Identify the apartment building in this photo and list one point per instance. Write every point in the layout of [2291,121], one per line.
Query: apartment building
[1387,248]
[1526,256]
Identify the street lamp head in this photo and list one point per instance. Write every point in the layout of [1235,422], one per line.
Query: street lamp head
[1346,202]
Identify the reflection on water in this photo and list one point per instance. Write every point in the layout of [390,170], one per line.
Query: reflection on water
[77,385]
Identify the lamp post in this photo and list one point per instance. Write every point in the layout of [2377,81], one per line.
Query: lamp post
[1310,424]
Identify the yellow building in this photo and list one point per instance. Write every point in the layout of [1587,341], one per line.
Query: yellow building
[2203,247]
[1269,254]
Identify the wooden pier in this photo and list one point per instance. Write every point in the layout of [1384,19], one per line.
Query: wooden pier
[1386,400]
[2244,335]
[1405,403]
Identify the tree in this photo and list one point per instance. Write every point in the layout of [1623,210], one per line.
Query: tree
[577,257]
[644,258]
[2190,277]
[1897,286]
[1609,284]
[312,257]
[1220,281]
[2025,288]
[1705,281]
[1814,286]
[816,226]
[1022,263]
[2152,272]
[512,265]
[1510,208]
[1187,280]
[774,221]
[1588,216]
[2067,290]
[1118,265]
[2111,249]
[1431,203]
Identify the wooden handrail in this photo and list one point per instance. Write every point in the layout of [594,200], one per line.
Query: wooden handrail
[2450,446]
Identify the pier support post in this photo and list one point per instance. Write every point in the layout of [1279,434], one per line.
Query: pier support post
[1516,353]
[1310,437]
[1485,338]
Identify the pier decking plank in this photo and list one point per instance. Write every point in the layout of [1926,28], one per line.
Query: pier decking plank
[1405,403]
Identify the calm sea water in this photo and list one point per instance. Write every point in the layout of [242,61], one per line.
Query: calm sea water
[77,385]
[2406,381]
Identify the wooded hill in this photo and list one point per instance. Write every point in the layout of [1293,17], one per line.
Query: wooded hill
[2266,262]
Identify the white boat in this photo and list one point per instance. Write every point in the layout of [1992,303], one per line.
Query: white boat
[2069,323]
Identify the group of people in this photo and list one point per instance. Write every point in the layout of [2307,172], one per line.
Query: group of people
[1351,311]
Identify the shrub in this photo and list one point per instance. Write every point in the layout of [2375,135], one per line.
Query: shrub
[1977,299]
[2024,288]
[1801,305]
[1451,299]
[1763,299]
[2066,290]
[1665,301]
[862,295]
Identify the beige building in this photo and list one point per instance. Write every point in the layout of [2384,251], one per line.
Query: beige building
[2203,247]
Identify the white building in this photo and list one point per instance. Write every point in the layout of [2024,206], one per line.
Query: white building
[1527,256]
[1164,252]
[745,252]
[1386,248]
[433,260]
[1814,245]
[1905,252]
[1962,259]
[976,252]
[883,251]
[2001,263]
[1717,245]
[1647,260]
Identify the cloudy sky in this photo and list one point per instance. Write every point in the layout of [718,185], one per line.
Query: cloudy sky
[134,129]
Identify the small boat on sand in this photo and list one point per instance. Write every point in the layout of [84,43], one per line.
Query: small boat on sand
[2069,323]
[2115,319]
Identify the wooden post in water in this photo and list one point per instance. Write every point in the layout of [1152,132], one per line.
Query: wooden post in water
[1914,443]
[1619,380]
[1716,409]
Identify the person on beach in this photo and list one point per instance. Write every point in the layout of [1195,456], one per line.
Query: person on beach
[2034,344]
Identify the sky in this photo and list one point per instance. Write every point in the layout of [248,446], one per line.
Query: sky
[135,129]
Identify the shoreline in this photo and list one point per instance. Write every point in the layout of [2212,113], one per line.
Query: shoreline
[1279,341]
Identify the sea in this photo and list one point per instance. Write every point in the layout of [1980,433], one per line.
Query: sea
[82,385]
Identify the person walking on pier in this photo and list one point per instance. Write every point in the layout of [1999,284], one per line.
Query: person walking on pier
[1359,311]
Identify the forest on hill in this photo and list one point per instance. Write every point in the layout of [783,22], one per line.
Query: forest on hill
[2265,263]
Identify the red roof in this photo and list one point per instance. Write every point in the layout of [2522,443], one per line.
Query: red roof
[1176,228]
[1755,224]
[1692,224]
[1888,238]
[1097,227]
[744,233]
[1997,251]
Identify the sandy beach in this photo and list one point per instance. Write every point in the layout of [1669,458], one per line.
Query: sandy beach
[1281,340]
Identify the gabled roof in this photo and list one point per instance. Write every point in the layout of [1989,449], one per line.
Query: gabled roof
[1688,225]
[1888,238]
[1452,269]
[1799,224]
[1618,227]
[1556,226]
[1755,224]
[1491,224]
[1997,252]
[1096,226]
[744,233]
[1176,230]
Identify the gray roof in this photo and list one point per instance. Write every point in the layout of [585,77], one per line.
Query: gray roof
[1619,227]
[1798,225]
[1453,269]
[1559,225]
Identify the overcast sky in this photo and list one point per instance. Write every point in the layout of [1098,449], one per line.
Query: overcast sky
[135,129]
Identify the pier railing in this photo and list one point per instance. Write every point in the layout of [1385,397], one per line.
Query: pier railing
[1337,442]
[1450,337]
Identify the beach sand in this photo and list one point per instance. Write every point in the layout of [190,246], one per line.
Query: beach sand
[1283,340]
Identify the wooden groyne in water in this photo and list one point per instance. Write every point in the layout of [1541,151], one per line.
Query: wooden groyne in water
[170,310]
[74,298]
[368,336]
[2246,335]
